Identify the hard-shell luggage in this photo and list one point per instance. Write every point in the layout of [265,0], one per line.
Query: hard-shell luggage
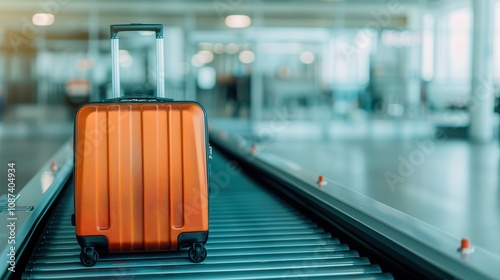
[141,170]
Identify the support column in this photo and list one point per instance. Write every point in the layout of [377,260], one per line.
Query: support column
[257,88]
[190,50]
[174,58]
[93,53]
[414,60]
[482,95]
[42,87]
[257,77]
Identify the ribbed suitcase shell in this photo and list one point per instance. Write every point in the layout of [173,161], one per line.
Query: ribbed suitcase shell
[141,175]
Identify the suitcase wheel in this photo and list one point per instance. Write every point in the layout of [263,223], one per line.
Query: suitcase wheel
[197,253]
[89,256]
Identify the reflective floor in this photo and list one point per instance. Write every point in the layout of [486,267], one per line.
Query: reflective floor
[29,149]
[30,135]
[450,184]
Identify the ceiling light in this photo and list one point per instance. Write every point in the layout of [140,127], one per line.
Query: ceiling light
[238,21]
[207,77]
[307,57]
[84,64]
[125,59]
[246,57]
[146,33]
[232,48]
[205,46]
[42,19]
[197,60]
[218,48]
[247,47]
[206,56]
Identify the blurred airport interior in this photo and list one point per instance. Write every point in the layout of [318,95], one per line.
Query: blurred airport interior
[396,99]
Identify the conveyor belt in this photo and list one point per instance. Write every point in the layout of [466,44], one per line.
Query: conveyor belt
[253,235]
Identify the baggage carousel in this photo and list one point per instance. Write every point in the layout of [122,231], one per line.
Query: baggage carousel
[264,224]
[253,235]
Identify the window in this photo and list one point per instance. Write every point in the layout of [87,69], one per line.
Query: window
[496,43]
[428,48]
[459,44]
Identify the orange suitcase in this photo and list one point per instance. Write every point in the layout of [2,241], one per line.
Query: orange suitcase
[141,171]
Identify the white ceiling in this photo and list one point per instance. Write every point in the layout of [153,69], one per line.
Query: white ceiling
[76,18]
[207,13]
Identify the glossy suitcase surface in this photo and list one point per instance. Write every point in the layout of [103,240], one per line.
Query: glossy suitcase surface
[141,177]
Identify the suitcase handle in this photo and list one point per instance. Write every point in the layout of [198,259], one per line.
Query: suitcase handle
[157,28]
[142,99]
[115,64]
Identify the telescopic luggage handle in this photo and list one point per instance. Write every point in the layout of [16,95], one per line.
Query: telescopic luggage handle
[115,64]
[157,28]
